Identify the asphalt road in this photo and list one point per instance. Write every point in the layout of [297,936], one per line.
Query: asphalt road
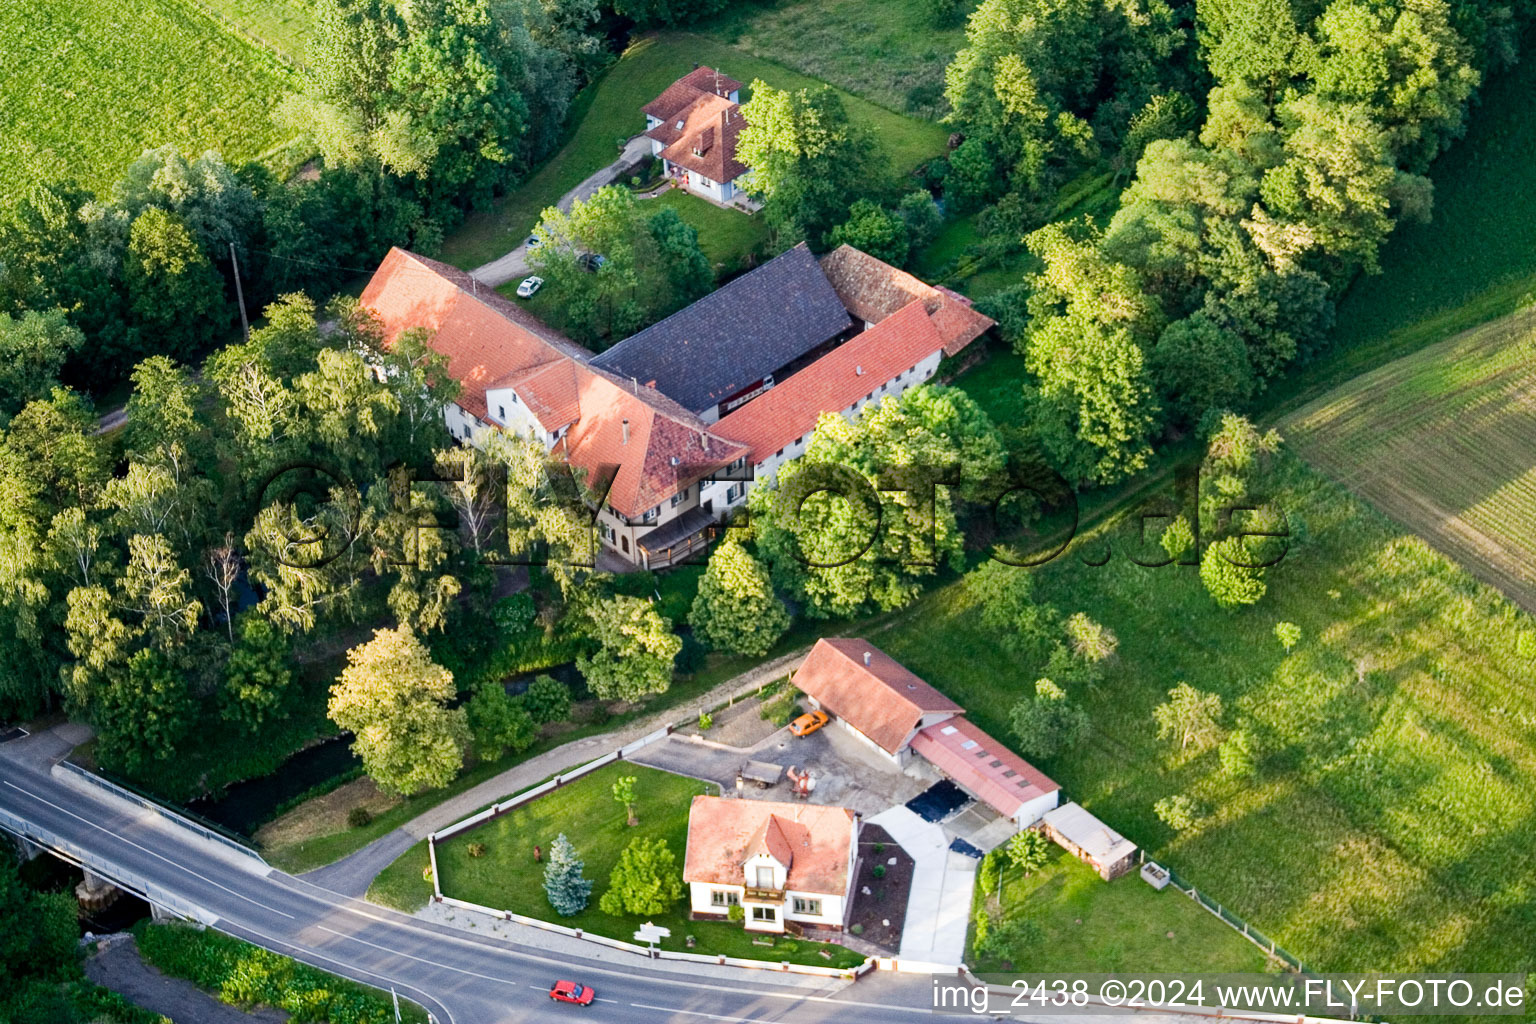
[461,978]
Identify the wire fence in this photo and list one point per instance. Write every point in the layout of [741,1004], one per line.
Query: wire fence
[1237,924]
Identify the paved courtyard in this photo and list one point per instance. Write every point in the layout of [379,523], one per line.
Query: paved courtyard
[846,772]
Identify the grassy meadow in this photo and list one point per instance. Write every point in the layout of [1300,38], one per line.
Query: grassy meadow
[887,51]
[91,85]
[1441,441]
[609,110]
[1391,823]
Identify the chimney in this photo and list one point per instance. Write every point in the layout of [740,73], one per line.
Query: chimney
[624,426]
[703,440]
[866,659]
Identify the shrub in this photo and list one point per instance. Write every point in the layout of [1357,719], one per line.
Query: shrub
[857,929]
[548,700]
[359,817]
[780,709]
[1288,633]
[244,975]
[878,871]
[735,914]
[476,850]
[646,880]
[1178,812]
[879,849]
[706,721]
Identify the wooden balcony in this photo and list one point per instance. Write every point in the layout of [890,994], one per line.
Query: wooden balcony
[757,895]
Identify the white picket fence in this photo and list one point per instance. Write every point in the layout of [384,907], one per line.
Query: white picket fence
[720,959]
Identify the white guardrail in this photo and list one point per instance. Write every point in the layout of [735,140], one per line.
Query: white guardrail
[75,771]
[120,877]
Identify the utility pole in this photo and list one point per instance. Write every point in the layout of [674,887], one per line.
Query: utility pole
[245,324]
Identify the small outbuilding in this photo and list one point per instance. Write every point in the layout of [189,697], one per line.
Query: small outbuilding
[1090,840]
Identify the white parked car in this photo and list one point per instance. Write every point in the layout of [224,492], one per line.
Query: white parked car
[529,286]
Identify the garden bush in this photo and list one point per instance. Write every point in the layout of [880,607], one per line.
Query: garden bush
[245,975]
[359,817]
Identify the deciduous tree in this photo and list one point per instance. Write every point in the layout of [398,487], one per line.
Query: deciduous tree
[393,698]
[636,648]
[646,880]
[735,609]
[1190,717]
[1049,722]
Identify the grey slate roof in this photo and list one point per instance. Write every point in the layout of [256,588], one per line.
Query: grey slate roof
[734,336]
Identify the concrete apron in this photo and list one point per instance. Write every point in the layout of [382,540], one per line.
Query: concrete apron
[939,906]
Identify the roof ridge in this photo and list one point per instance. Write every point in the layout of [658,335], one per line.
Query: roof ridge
[677,313]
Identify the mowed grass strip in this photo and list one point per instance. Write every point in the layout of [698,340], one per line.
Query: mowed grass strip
[609,110]
[506,876]
[1392,825]
[89,85]
[1444,441]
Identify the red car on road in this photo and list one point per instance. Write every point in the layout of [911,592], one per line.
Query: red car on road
[570,992]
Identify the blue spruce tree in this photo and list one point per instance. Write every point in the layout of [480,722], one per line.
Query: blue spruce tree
[567,890]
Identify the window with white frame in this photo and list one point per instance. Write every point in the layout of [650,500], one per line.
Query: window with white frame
[764,914]
[811,908]
[724,898]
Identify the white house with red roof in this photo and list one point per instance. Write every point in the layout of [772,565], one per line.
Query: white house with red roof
[875,698]
[678,420]
[693,126]
[779,862]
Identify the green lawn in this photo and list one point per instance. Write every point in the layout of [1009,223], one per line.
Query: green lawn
[1391,826]
[506,877]
[886,51]
[609,109]
[90,85]
[727,237]
[1088,925]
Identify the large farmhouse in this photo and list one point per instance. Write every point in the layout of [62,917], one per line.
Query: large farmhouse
[873,697]
[693,126]
[782,863]
[688,412]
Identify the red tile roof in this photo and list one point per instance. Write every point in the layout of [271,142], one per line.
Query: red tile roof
[873,290]
[707,141]
[490,341]
[814,841]
[882,700]
[833,382]
[701,81]
[981,765]
[485,337]
[647,473]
